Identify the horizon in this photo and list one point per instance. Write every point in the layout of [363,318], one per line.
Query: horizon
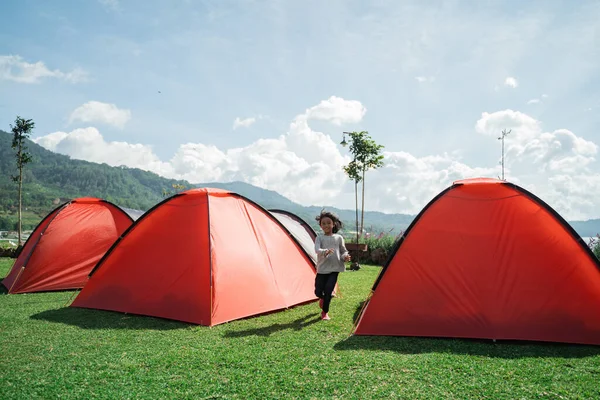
[260,93]
[195,185]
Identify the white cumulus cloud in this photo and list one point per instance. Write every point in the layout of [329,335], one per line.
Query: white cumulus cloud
[492,124]
[98,112]
[570,194]
[337,111]
[512,82]
[305,165]
[527,145]
[14,68]
[88,144]
[406,183]
[536,100]
[246,122]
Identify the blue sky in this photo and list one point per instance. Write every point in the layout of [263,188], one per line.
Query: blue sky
[434,82]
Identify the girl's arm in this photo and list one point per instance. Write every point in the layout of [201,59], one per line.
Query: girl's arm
[318,248]
[343,250]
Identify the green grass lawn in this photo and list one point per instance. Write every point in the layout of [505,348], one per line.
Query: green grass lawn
[48,350]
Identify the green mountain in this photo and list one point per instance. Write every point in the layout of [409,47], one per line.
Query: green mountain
[53,178]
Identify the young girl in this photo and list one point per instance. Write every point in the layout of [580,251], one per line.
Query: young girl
[331,255]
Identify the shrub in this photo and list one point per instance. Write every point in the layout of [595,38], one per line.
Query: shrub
[379,247]
[595,245]
[10,252]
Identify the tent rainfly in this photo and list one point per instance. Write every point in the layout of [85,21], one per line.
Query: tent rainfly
[204,256]
[62,250]
[487,259]
[300,230]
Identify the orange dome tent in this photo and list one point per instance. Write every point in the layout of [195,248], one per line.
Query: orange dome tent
[204,256]
[62,250]
[487,259]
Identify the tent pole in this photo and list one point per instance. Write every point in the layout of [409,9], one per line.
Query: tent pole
[16,279]
[71,298]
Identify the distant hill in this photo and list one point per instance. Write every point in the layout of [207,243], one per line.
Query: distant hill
[586,228]
[53,178]
[374,221]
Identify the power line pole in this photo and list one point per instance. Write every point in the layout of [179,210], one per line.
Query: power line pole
[504,133]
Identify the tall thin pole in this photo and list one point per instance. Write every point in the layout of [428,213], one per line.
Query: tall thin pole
[356,200]
[504,133]
[502,155]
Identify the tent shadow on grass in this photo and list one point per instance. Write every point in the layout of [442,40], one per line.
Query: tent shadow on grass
[296,325]
[477,347]
[100,319]
[509,349]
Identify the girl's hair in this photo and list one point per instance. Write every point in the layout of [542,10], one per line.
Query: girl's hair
[337,224]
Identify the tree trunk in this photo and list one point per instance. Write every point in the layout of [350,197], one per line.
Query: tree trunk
[355,263]
[20,200]
[362,215]
[356,200]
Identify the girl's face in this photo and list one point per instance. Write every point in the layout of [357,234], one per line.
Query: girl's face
[327,225]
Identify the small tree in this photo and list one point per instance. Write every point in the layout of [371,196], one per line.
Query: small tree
[370,157]
[177,188]
[366,155]
[21,132]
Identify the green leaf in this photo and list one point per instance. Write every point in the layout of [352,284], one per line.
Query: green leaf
[366,155]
